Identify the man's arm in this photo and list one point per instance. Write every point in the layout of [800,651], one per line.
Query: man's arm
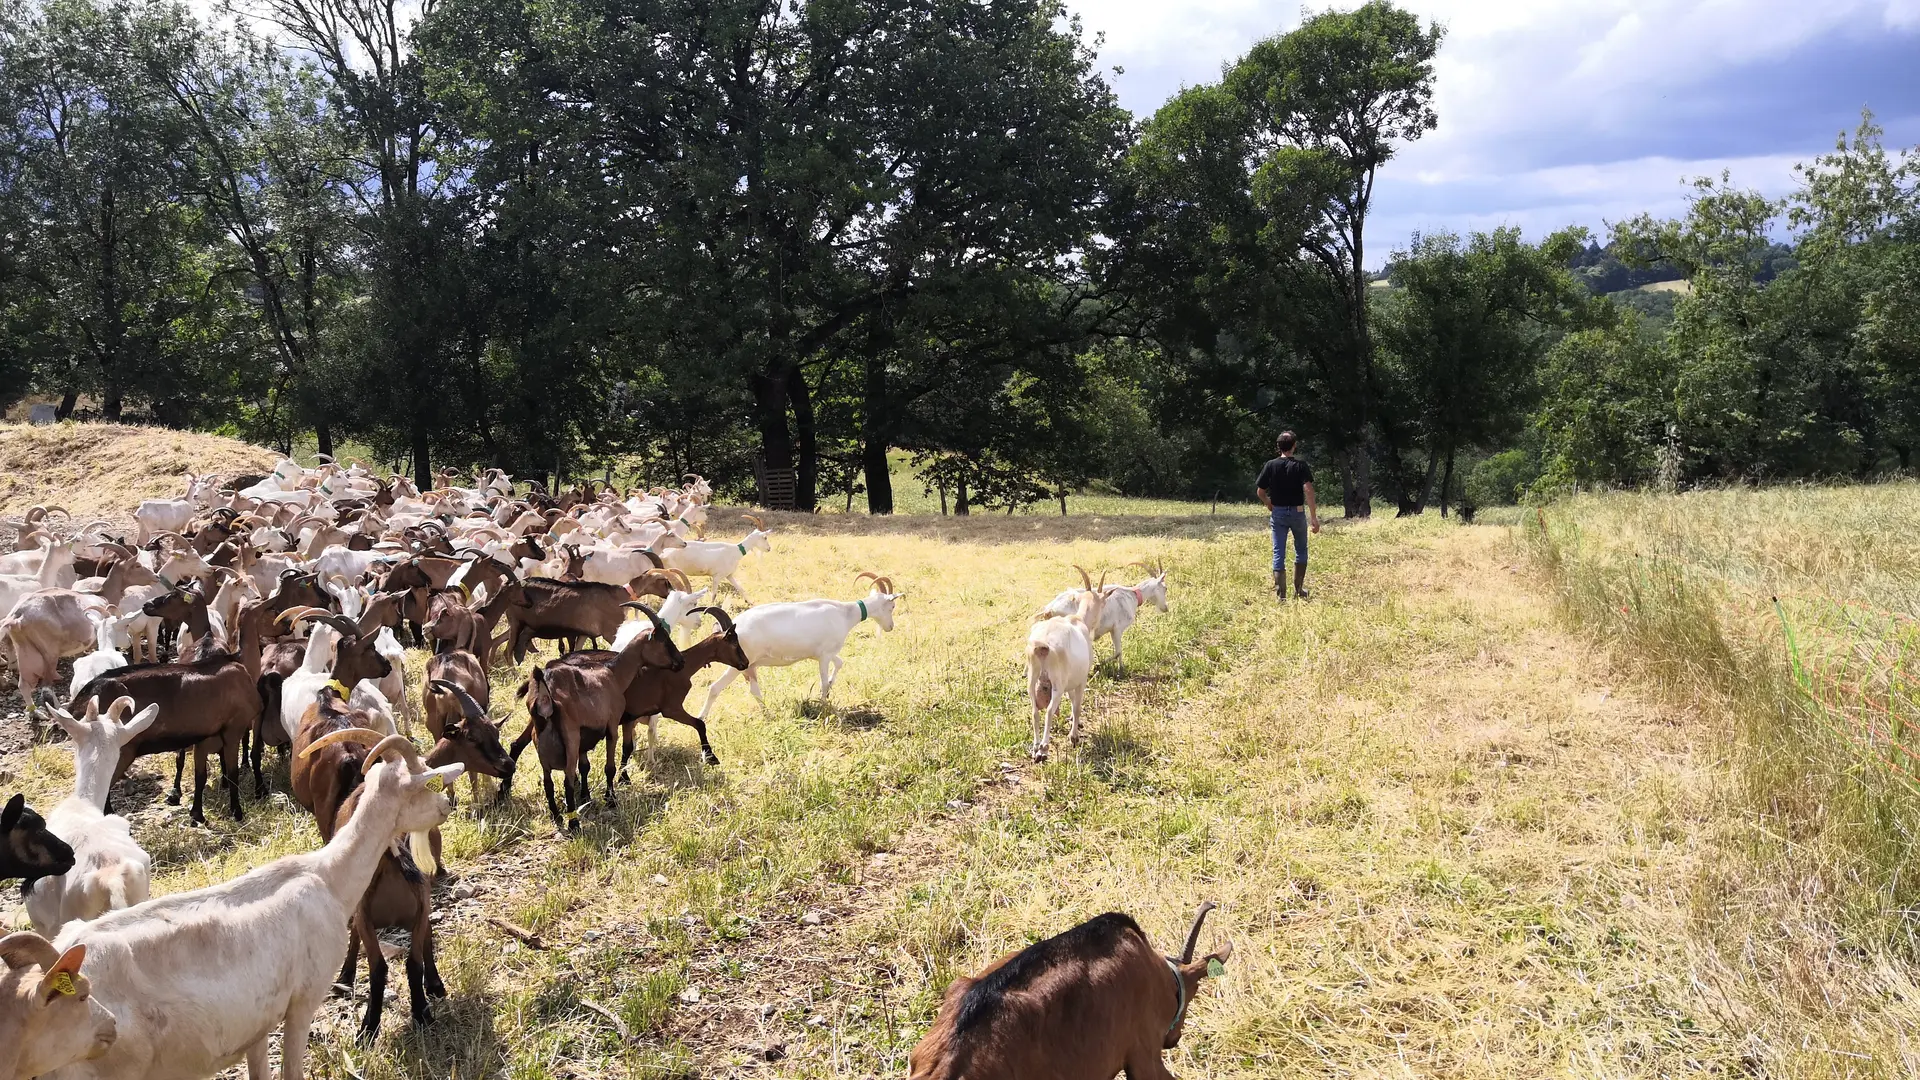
[1266,500]
[1313,508]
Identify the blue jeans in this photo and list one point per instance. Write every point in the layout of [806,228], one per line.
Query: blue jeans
[1286,521]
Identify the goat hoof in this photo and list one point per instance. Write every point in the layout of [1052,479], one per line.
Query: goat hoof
[711,760]
[436,989]
[173,799]
[367,1037]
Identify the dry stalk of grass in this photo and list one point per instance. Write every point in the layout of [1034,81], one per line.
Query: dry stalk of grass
[104,470]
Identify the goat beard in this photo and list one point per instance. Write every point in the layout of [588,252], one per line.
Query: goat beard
[422,849]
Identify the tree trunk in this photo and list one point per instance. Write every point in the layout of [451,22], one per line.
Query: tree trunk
[110,400]
[806,481]
[1446,483]
[422,466]
[1426,486]
[960,508]
[1357,485]
[770,410]
[943,500]
[323,436]
[874,438]
[1063,502]
[72,398]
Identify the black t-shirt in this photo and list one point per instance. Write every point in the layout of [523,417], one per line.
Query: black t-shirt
[1285,480]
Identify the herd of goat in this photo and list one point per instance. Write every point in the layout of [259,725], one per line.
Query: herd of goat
[287,602]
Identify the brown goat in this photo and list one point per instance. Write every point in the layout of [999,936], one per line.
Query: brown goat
[571,706]
[659,691]
[574,610]
[460,669]
[207,705]
[322,776]
[1083,1005]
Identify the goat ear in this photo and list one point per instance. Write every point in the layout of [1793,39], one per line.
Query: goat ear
[11,815]
[61,977]
[141,721]
[71,726]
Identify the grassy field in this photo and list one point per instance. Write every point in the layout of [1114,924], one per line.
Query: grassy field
[1464,816]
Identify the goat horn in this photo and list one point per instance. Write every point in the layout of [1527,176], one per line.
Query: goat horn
[865,574]
[1193,935]
[653,558]
[469,707]
[294,616]
[346,626]
[678,578]
[35,515]
[120,707]
[885,583]
[363,736]
[26,947]
[1085,579]
[725,620]
[757,522]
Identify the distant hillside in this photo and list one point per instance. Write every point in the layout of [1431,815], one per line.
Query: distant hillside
[104,470]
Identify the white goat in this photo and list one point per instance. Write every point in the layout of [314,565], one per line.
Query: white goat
[199,980]
[48,1016]
[1122,604]
[155,516]
[17,587]
[315,671]
[394,686]
[1059,659]
[717,560]
[779,635]
[110,871]
[106,654]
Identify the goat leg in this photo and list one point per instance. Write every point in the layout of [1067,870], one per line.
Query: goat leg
[230,762]
[198,815]
[609,770]
[417,991]
[376,985]
[343,986]
[677,711]
[179,769]
[423,948]
[553,808]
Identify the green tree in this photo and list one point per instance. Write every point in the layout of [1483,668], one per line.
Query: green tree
[1329,102]
[1462,333]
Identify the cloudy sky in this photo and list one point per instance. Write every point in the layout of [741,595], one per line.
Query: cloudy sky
[1556,112]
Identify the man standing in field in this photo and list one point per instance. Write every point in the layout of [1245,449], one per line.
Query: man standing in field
[1285,488]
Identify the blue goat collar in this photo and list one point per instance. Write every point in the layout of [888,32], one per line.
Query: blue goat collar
[1179,991]
[863,609]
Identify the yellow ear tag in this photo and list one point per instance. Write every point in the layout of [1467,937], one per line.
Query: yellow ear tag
[62,983]
[1215,968]
[338,688]
[436,783]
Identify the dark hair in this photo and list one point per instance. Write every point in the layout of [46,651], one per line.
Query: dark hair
[1285,441]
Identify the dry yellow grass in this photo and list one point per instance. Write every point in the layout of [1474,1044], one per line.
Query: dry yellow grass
[104,470]
[1449,837]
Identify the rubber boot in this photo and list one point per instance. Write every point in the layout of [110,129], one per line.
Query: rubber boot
[1300,580]
[1280,584]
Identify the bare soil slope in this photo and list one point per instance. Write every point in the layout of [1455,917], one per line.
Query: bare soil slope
[104,470]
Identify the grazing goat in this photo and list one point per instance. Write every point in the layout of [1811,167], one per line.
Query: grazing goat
[717,559]
[1083,1005]
[777,635]
[48,1017]
[56,572]
[27,849]
[199,980]
[572,705]
[1122,604]
[110,870]
[1059,659]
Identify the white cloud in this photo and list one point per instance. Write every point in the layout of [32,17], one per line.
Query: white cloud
[1561,111]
